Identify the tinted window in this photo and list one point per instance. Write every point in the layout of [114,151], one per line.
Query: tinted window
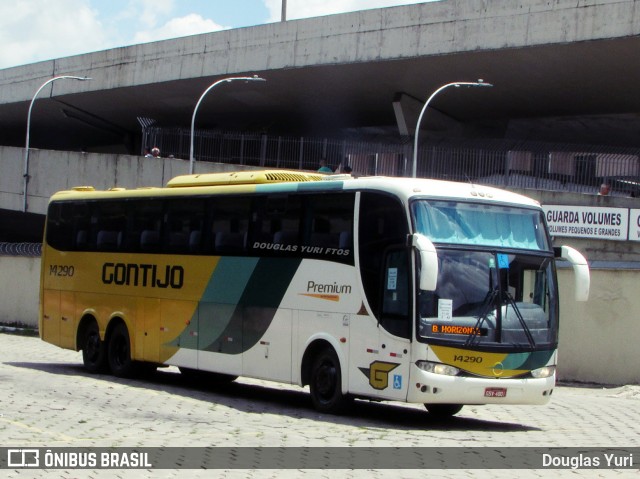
[307,225]
[185,226]
[382,225]
[230,224]
[327,227]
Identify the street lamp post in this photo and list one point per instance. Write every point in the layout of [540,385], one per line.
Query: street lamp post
[26,146]
[479,83]
[195,110]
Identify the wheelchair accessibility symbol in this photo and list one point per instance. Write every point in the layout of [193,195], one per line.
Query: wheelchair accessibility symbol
[397,381]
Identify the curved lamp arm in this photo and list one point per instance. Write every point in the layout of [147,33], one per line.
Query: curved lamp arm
[26,145]
[479,83]
[195,110]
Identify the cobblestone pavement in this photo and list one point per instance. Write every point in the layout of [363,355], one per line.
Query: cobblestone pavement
[48,400]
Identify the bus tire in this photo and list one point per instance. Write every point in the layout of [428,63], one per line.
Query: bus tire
[119,352]
[326,383]
[443,411]
[94,354]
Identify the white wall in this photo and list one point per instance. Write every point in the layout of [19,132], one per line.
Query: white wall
[20,280]
[599,339]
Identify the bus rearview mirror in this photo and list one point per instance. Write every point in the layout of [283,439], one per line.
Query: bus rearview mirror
[428,260]
[580,270]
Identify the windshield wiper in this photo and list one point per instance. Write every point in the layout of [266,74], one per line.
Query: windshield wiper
[523,323]
[487,307]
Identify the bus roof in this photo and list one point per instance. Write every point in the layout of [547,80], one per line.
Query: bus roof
[247,177]
[286,181]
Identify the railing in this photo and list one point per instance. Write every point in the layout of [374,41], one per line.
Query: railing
[502,163]
[20,249]
[546,167]
[302,153]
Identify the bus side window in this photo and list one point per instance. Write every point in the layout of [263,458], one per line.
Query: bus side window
[275,219]
[79,218]
[110,224]
[60,226]
[328,224]
[230,224]
[144,227]
[184,225]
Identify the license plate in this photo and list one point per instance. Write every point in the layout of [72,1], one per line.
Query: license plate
[495,392]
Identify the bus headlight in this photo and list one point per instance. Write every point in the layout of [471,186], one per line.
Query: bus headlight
[544,372]
[437,368]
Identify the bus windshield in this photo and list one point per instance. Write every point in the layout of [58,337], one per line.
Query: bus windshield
[463,223]
[490,291]
[486,298]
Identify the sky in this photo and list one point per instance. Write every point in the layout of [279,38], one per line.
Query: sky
[36,30]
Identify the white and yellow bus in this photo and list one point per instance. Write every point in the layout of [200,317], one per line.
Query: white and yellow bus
[382,288]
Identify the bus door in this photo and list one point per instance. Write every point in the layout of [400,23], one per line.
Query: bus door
[380,345]
[384,260]
[395,324]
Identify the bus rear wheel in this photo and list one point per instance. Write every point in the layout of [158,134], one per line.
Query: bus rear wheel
[443,411]
[119,352]
[94,356]
[326,383]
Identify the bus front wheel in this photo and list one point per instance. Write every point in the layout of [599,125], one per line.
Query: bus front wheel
[443,411]
[119,352]
[94,356]
[326,383]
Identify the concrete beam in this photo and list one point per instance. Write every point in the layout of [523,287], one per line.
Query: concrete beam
[412,31]
[53,171]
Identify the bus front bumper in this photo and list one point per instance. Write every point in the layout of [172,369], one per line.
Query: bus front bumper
[430,388]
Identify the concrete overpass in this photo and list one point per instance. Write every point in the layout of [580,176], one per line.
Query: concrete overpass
[564,70]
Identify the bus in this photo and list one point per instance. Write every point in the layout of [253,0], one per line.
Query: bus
[397,289]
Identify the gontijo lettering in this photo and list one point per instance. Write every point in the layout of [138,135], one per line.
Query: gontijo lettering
[145,275]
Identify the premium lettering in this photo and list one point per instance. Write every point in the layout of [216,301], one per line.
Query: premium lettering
[313,287]
[145,275]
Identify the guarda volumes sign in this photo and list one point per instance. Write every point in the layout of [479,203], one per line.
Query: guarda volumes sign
[618,224]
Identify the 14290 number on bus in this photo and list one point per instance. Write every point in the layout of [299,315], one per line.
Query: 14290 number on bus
[61,270]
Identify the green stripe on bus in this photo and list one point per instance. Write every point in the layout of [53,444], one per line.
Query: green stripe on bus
[257,306]
[219,301]
[238,304]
